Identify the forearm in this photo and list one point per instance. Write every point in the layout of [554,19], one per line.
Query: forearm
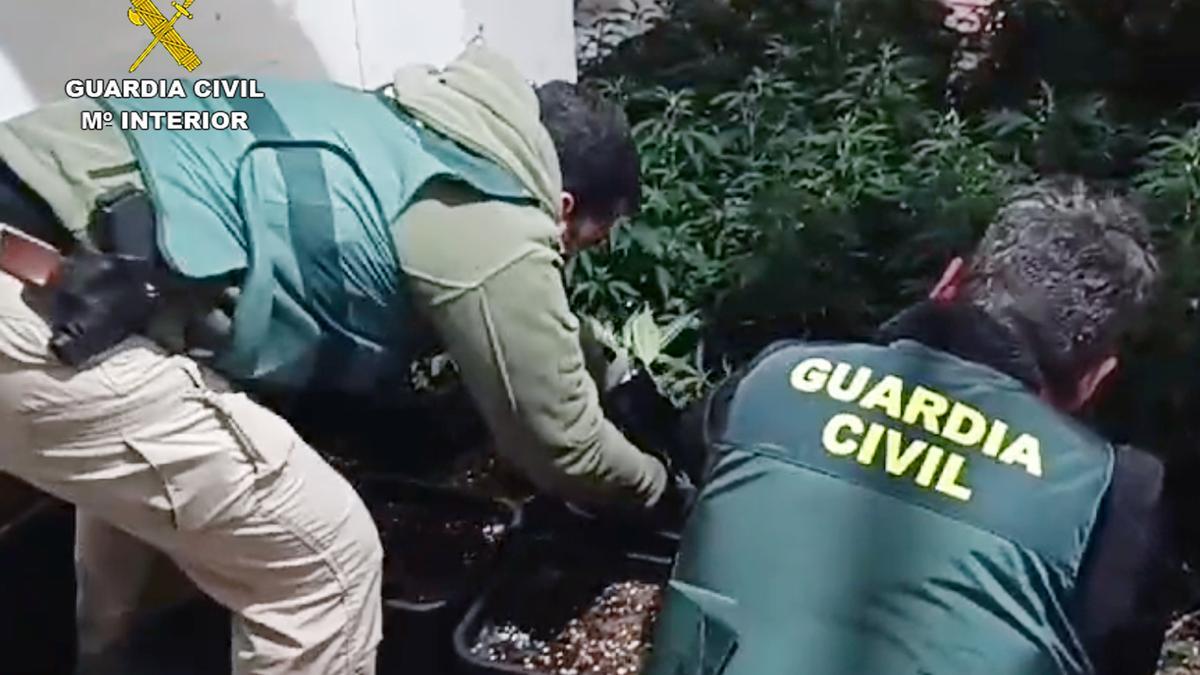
[603,471]
[517,346]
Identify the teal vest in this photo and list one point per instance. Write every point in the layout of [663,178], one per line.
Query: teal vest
[884,511]
[300,206]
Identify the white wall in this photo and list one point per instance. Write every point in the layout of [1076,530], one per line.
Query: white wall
[44,43]
[538,34]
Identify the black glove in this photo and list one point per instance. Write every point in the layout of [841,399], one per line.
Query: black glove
[655,425]
[675,504]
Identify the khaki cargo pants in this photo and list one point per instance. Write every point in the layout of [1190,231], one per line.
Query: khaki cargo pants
[161,459]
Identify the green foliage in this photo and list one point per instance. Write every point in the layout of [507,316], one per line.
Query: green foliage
[645,341]
[815,184]
[779,204]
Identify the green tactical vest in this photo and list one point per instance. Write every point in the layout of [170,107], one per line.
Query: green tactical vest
[300,207]
[883,511]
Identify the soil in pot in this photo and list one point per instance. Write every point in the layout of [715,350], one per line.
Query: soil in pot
[566,613]
[1181,648]
[609,634]
[429,557]
[439,545]
[351,468]
[434,548]
[480,472]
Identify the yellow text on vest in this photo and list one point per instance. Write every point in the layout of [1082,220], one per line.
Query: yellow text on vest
[848,435]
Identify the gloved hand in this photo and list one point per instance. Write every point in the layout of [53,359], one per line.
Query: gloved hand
[639,530]
[667,514]
[675,504]
[652,423]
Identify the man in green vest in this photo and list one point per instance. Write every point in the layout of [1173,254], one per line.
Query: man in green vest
[926,505]
[296,255]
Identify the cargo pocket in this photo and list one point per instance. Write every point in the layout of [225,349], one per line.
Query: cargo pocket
[691,637]
[201,492]
[266,438]
[232,443]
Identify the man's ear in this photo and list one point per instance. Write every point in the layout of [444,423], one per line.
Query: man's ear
[1091,382]
[568,204]
[949,286]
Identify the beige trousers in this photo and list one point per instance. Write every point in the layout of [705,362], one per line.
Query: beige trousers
[161,459]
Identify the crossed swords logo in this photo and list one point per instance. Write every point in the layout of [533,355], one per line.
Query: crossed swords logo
[144,12]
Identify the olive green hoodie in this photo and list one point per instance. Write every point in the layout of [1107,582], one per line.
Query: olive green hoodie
[489,276]
[486,273]
[481,101]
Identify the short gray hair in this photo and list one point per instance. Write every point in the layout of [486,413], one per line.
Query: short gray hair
[1070,268]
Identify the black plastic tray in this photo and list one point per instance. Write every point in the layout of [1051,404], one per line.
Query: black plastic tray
[418,629]
[540,574]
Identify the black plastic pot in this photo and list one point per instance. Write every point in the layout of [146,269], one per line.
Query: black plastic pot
[363,428]
[540,590]
[642,413]
[549,519]
[37,590]
[481,472]
[427,585]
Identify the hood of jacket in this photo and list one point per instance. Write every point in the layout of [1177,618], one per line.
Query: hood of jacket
[481,101]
